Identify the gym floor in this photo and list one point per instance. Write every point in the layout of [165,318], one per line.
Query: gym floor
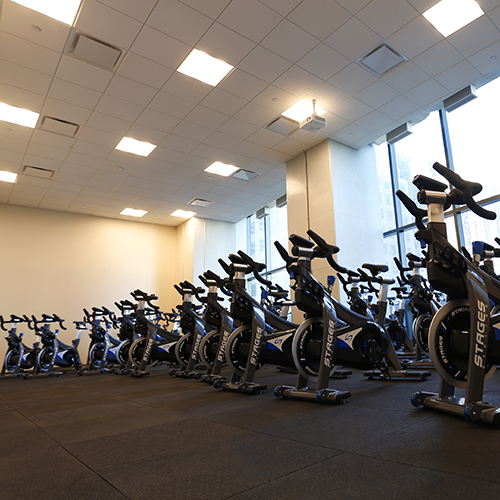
[116,437]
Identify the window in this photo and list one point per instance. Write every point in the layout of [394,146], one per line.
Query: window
[261,235]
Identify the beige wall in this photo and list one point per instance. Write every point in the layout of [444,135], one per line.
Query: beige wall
[56,262]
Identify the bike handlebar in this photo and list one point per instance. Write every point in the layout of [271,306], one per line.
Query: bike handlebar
[329,250]
[418,213]
[256,268]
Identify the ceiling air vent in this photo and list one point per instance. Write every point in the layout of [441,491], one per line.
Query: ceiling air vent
[283,125]
[41,173]
[199,202]
[382,59]
[460,98]
[94,51]
[58,126]
[245,175]
[261,213]
[281,201]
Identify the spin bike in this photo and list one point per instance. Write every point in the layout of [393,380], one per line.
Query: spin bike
[464,335]
[19,358]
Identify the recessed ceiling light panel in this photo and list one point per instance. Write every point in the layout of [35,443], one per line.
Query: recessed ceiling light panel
[19,116]
[64,11]
[205,68]
[302,109]
[8,177]
[220,168]
[449,16]
[135,147]
[133,212]
[183,213]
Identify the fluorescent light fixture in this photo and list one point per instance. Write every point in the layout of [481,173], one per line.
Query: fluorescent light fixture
[61,10]
[220,168]
[183,213]
[301,110]
[8,177]
[19,116]
[136,147]
[133,212]
[205,68]
[449,16]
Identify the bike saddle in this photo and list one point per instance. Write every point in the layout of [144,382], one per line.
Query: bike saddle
[376,268]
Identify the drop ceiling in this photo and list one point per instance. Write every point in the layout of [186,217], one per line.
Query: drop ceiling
[282,51]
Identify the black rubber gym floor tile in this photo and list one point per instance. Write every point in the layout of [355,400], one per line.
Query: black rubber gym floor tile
[104,420]
[49,474]
[212,464]
[353,477]
[442,442]
[23,437]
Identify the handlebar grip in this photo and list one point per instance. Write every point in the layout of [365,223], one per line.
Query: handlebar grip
[60,321]
[284,254]
[226,267]
[469,189]
[1,324]
[256,268]
[410,205]
[178,288]
[203,280]
[329,250]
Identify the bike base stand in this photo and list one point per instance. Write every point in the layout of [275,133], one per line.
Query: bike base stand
[397,375]
[323,395]
[478,411]
[241,387]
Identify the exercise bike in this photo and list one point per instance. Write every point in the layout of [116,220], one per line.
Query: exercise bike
[464,335]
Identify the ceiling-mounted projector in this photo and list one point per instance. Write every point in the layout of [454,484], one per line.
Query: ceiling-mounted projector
[312,123]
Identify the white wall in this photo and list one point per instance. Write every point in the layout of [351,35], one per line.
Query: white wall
[56,262]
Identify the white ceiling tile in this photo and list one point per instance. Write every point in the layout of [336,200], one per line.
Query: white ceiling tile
[186,87]
[405,77]
[167,155]
[333,123]
[46,151]
[101,121]
[179,21]
[237,159]
[275,156]
[353,6]
[352,109]
[422,5]
[223,141]
[28,54]
[35,182]
[160,48]
[255,114]
[438,58]
[144,70]
[172,105]
[487,5]
[415,37]
[18,20]
[352,79]
[373,121]
[122,158]
[119,108]
[9,156]
[399,107]
[193,131]
[223,101]
[327,96]
[147,173]
[92,149]
[206,117]
[155,119]
[21,98]
[385,16]
[82,73]
[131,180]
[157,164]
[487,60]
[65,111]
[79,169]
[377,94]
[297,81]
[147,134]
[264,64]
[283,7]
[107,24]
[70,92]
[242,84]
[459,76]
[211,9]
[289,146]
[275,99]
[476,35]
[130,90]
[207,152]
[319,17]
[24,78]
[266,138]
[427,93]
[26,201]
[179,144]
[351,134]
[78,207]
[184,172]
[106,186]
[137,10]
[289,41]
[225,44]
[39,161]
[238,128]
[323,61]
[250,18]
[100,137]
[68,182]
[51,139]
